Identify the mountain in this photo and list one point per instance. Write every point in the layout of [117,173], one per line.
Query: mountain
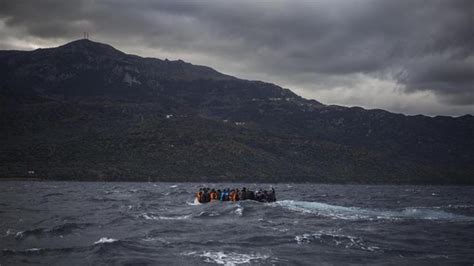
[86,111]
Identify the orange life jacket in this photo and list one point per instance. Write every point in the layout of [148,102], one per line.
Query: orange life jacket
[233,196]
[199,196]
[213,195]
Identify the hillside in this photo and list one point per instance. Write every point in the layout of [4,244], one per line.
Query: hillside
[86,111]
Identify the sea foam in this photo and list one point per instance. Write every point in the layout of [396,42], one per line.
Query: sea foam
[355,213]
[105,240]
[228,258]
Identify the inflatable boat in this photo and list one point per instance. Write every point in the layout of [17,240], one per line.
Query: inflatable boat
[206,195]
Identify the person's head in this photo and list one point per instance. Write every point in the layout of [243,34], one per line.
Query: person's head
[244,189]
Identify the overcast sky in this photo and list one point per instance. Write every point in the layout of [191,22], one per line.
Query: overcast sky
[403,56]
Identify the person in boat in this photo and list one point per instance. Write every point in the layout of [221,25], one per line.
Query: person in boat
[227,195]
[213,195]
[232,195]
[219,194]
[222,195]
[264,197]
[272,196]
[259,195]
[250,195]
[199,195]
[243,194]
[236,195]
[268,196]
[206,197]
[202,198]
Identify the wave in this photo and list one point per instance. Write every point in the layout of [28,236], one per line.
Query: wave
[195,203]
[337,240]
[183,217]
[68,227]
[239,210]
[429,214]
[30,251]
[458,206]
[61,229]
[106,199]
[229,258]
[98,246]
[153,217]
[41,251]
[176,191]
[53,194]
[26,233]
[355,213]
[114,191]
[208,214]
[10,232]
[211,213]
[103,240]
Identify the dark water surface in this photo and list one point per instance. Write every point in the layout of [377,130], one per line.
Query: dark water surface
[71,223]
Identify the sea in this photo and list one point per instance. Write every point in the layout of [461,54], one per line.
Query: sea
[127,223]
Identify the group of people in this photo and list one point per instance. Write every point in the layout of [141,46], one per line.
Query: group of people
[207,195]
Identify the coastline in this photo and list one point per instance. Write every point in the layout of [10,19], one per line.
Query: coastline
[246,181]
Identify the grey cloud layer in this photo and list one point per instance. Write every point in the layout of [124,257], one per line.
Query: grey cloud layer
[422,45]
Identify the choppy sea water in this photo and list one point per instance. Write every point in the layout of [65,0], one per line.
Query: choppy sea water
[75,223]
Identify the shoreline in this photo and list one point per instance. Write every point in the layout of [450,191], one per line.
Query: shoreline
[39,179]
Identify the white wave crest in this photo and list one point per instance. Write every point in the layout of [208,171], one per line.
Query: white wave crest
[147,217]
[335,239]
[20,234]
[324,209]
[183,217]
[34,249]
[239,210]
[196,202]
[153,217]
[354,213]
[105,240]
[460,206]
[228,259]
[10,232]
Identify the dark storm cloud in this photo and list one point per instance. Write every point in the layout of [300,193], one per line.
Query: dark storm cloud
[422,45]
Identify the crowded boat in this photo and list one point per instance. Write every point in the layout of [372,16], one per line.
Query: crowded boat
[205,195]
